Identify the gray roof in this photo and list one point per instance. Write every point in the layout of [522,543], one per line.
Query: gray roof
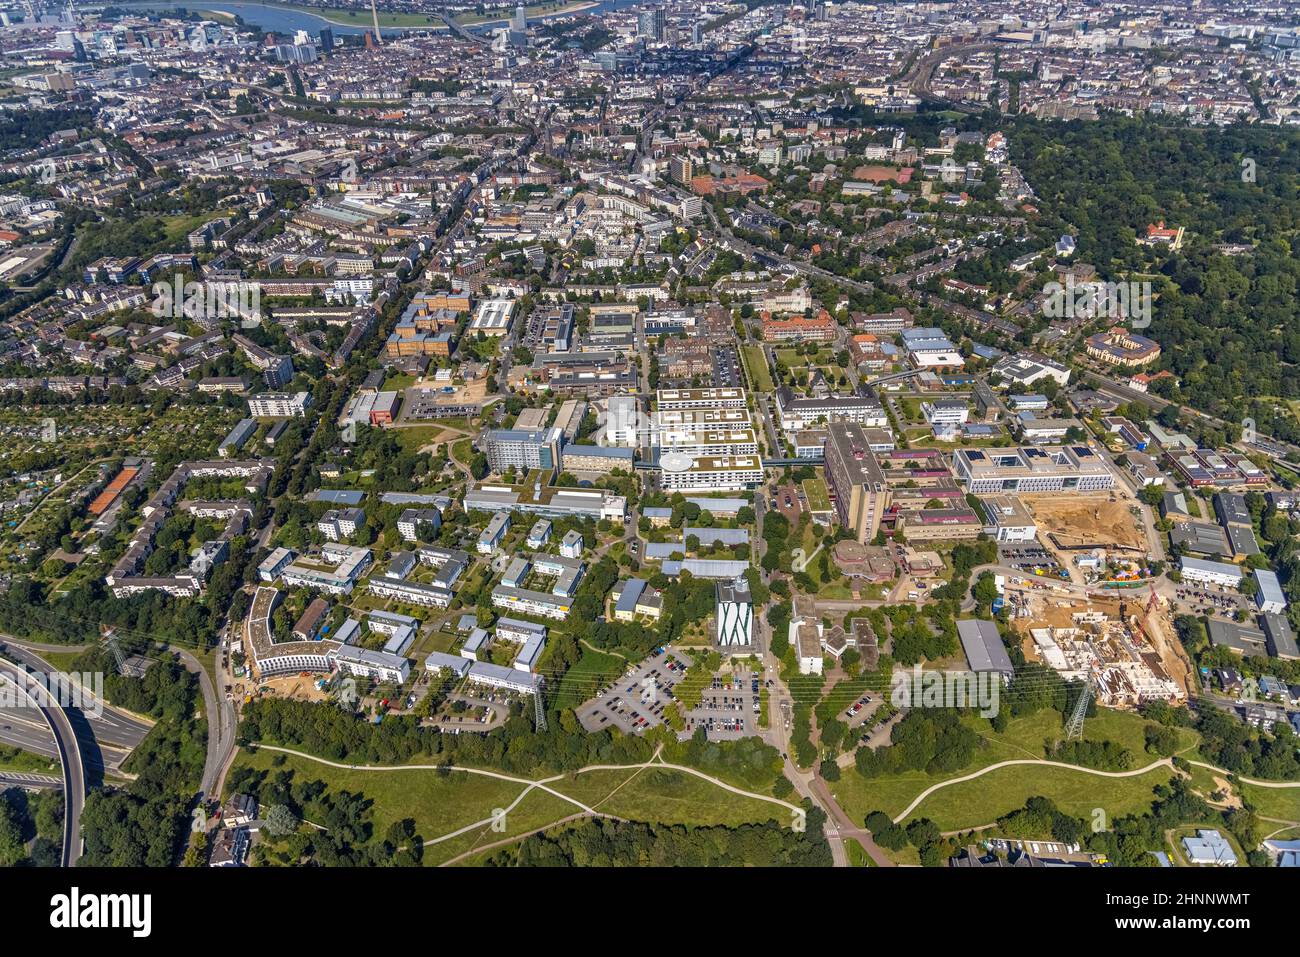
[632,590]
[440,659]
[1243,540]
[723,536]
[1215,568]
[1270,589]
[1240,638]
[1200,537]
[338,496]
[983,646]
[706,568]
[1281,640]
[718,505]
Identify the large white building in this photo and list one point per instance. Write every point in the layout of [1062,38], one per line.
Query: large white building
[279,405]
[714,398]
[1007,519]
[798,412]
[492,317]
[716,443]
[700,420]
[680,472]
[1029,468]
[1210,573]
[337,571]
[523,449]
[364,663]
[537,603]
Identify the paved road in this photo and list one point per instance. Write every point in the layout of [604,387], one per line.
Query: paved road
[25,779]
[74,776]
[220,714]
[107,735]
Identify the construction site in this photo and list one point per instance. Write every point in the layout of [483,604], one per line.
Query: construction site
[1080,522]
[1125,647]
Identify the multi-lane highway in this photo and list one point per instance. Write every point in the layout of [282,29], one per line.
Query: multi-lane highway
[69,753]
[106,735]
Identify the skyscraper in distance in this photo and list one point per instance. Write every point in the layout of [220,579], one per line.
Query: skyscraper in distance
[650,23]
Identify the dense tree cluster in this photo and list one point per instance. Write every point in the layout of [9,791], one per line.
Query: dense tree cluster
[610,843]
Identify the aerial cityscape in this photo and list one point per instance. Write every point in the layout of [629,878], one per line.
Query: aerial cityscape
[616,433]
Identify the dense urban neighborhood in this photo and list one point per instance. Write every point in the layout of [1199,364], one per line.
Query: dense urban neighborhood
[645,433]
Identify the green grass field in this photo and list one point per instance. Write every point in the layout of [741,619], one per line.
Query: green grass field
[362,18]
[16,759]
[443,803]
[1023,738]
[664,796]
[982,801]
[760,377]
[439,803]
[580,682]
[1280,803]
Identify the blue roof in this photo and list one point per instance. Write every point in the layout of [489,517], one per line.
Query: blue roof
[1269,587]
[631,592]
[338,496]
[706,568]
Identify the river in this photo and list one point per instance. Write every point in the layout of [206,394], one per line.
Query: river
[285,20]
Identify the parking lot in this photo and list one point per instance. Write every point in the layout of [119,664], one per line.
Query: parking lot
[726,367]
[788,500]
[1027,556]
[728,709]
[636,700]
[1210,599]
[862,709]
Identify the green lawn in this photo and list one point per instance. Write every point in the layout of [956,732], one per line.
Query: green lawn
[1023,738]
[982,801]
[362,18]
[664,796]
[532,10]
[760,377]
[1280,803]
[593,670]
[439,803]
[16,759]
[416,437]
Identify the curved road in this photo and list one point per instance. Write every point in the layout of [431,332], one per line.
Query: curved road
[1163,762]
[74,775]
[221,729]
